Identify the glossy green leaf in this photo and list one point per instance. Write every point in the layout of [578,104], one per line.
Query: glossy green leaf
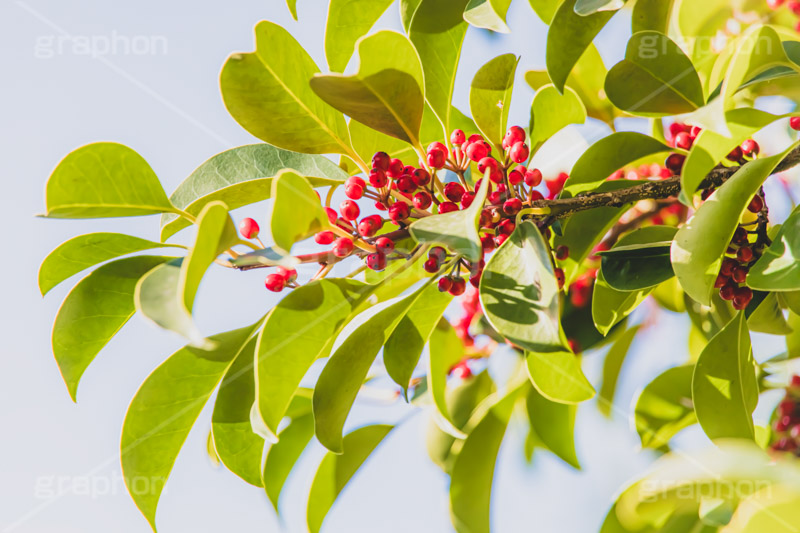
[93,312]
[292,5]
[651,15]
[345,371]
[104,180]
[778,269]
[610,306]
[446,349]
[655,78]
[519,292]
[268,94]
[281,457]
[554,425]
[386,93]
[242,176]
[367,141]
[635,267]
[296,212]
[84,251]
[608,155]
[552,111]
[490,96]
[558,377]
[664,407]
[669,295]
[291,341]
[569,36]
[488,14]
[349,20]
[587,7]
[437,31]
[237,446]
[699,245]
[724,387]
[336,470]
[164,410]
[407,10]
[612,365]
[457,230]
[404,347]
[767,317]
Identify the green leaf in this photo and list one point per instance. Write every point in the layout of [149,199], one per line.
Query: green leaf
[292,5]
[345,371]
[558,376]
[488,14]
[242,176]
[404,347]
[407,10]
[553,425]
[473,470]
[608,155]
[775,509]
[336,470]
[349,20]
[104,180]
[710,148]
[519,293]
[291,341]
[665,407]
[569,36]
[655,79]
[588,7]
[669,295]
[545,9]
[610,306]
[490,96]
[84,251]
[651,15]
[237,446]
[446,349]
[779,268]
[268,94]
[93,312]
[767,317]
[296,212]
[724,387]
[552,111]
[699,245]
[612,365]
[637,266]
[457,230]
[164,410]
[437,31]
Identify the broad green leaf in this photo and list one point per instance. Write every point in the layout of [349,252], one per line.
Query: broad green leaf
[367,141]
[664,407]
[724,387]
[638,266]
[437,31]
[292,5]
[281,457]
[386,93]
[552,111]
[297,212]
[348,21]
[569,36]
[164,410]
[610,306]
[779,268]
[93,312]
[553,425]
[587,7]
[651,15]
[446,349]
[608,155]
[457,230]
[268,94]
[473,469]
[407,10]
[490,96]
[336,470]
[237,446]
[775,509]
[558,377]
[488,14]
[767,317]
[242,176]
[300,329]
[519,293]
[84,251]
[104,180]
[404,347]
[345,371]
[699,245]
[655,78]
[545,9]
[710,148]
[669,295]
[612,365]
[701,21]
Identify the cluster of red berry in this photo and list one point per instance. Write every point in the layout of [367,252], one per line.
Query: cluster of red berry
[786,428]
[740,256]
[793,5]
[683,136]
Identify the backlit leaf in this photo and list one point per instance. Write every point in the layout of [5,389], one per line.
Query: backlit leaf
[778,269]
[488,14]
[490,96]
[554,425]
[296,213]
[665,407]
[612,365]
[552,111]
[558,377]
[348,20]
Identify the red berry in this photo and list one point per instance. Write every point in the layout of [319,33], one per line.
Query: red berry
[794,6]
[496,198]
[574,346]
[506,227]
[559,273]
[349,210]
[248,228]
[519,152]
[533,177]
[325,237]
[795,382]
[377,178]
[462,370]
[475,138]
[399,211]
[485,219]
[332,215]
[376,261]
[562,252]
[512,206]
[381,160]
[500,239]
[775,4]
[683,140]
[458,287]
[514,135]
[405,184]
[742,297]
[794,123]
[421,177]
[380,206]
[342,246]
[447,207]
[467,199]
[489,163]
[676,127]
[275,282]
[431,265]
[674,163]
[517,176]
[739,274]
[487,243]
[756,204]
[422,200]
[355,180]
[728,291]
[289,274]
[750,148]
[745,254]
[436,159]
[367,227]
[740,236]
[354,192]
[438,253]
[457,137]
[720,281]
[444,284]
[453,191]
[477,151]
[735,155]
[395,168]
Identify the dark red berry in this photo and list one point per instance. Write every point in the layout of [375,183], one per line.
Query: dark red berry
[405,184]
[739,274]
[720,281]
[453,191]
[750,148]
[421,177]
[728,291]
[487,243]
[742,297]
[399,211]
[674,163]
[367,227]
[559,273]
[533,177]
[395,168]
[376,261]
[444,284]
[467,199]
[500,239]
[431,265]
[377,178]
[447,207]
[506,227]
[381,160]
[458,287]
[275,282]
[517,176]
[756,204]
[745,254]
[562,252]
[512,206]
[248,228]
[735,155]
[385,245]
[422,200]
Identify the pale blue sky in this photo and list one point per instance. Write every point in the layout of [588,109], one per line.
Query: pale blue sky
[162,99]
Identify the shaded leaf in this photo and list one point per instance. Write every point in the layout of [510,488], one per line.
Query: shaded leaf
[638,266]
[767,317]
[281,457]
[651,15]
[446,349]
[610,306]
[554,425]
[778,269]
[612,365]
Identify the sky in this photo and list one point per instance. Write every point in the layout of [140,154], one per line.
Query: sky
[149,79]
